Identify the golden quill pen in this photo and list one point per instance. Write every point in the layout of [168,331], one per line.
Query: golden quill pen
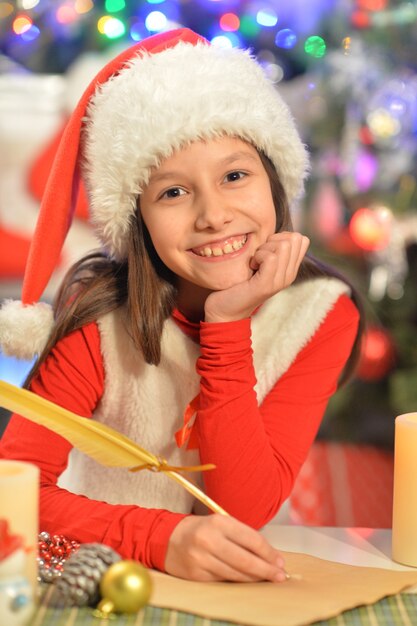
[102,443]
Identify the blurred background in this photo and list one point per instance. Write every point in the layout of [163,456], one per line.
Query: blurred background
[348,70]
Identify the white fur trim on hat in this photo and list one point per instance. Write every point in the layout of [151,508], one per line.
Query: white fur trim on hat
[160,102]
[24,329]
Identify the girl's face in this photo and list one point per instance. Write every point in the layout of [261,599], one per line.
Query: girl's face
[207,209]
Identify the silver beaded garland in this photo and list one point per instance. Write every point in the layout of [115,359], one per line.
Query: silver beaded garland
[53,551]
[78,582]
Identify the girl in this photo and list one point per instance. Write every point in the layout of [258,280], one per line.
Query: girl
[202,330]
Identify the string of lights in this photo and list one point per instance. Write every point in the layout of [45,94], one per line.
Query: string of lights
[31,30]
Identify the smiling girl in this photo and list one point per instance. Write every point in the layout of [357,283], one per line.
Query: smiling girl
[201,329]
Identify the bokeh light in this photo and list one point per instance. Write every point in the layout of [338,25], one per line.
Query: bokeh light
[111,27]
[315,46]
[285,38]
[249,27]
[29,4]
[31,34]
[83,6]
[102,22]
[6,9]
[112,6]
[229,22]
[114,28]
[383,124]
[21,24]
[155,1]
[360,19]
[346,44]
[274,72]
[156,21]
[267,17]
[377,354]
[370,229]
[66,14]
[137,31]
[366,169]
[372,5]
[223,41]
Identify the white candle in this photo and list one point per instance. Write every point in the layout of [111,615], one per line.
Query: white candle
[19,505]
[404,519]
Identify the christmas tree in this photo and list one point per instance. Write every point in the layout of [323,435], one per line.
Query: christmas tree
[361,125]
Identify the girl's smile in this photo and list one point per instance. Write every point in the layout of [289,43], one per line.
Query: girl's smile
[215,250]
[208,208]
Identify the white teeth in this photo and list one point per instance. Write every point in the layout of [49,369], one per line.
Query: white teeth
[226,249]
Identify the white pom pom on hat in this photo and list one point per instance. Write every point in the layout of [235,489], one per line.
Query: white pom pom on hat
[153,98]
[24,330]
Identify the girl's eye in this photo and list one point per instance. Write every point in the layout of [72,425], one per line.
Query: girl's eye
[232,176]
[174,192]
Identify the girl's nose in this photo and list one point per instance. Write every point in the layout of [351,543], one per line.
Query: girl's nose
[213,212]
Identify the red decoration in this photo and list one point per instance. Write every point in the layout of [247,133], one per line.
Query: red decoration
[327,211]
[8,543]
[370,229]
[360,19]
[365,136]
[377,356]
[342,243]
[372,5]
[57,546]
[14,250]
[53,551]
[229,22]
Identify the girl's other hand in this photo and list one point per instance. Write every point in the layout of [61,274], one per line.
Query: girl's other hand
[215,548]
[275,265]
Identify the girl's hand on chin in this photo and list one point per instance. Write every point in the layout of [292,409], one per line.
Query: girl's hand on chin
[275,265]
[215,547]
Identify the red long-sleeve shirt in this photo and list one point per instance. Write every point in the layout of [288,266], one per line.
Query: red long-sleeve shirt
[257,450]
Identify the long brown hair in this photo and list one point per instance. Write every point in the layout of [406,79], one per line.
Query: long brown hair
[311,267]
[96,285]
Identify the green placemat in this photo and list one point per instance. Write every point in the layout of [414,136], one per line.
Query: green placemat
[48,615]
[399,610]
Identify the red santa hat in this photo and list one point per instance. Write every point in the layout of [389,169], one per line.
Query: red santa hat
[155,97]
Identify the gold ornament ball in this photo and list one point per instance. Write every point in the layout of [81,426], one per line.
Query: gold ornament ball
[125,587]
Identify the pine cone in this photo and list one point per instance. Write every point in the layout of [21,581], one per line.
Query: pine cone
[79,583]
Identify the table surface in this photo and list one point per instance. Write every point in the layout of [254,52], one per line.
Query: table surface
[354,546]
[368,547]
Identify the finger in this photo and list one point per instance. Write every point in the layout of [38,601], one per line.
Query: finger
[251,540]
[284,235]
[243,550]
[299,245]
[238,565]
[304,245]
[290,248]
[271,260]
[273,242]
[277,241]
[303,251]
[216,569]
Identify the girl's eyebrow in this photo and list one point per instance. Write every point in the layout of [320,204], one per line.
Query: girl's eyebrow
[231,158]
[242,154]
[157,177]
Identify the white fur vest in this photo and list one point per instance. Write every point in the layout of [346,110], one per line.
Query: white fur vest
[147,402]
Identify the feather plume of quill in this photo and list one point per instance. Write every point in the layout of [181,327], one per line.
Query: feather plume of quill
[102,443]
